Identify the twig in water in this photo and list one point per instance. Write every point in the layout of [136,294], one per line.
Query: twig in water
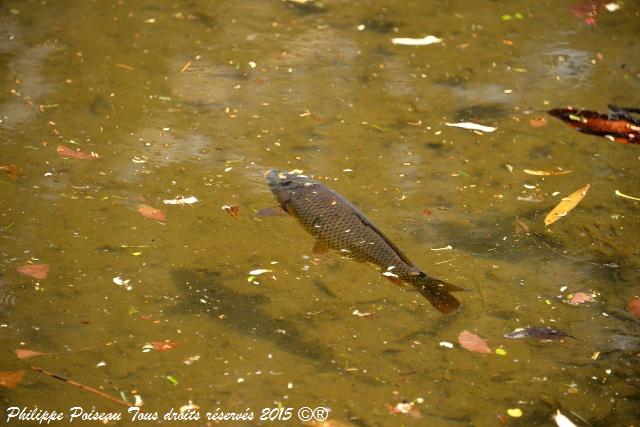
[82,386]
[610,265]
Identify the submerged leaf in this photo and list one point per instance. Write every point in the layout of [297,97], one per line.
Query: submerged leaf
[566,205]
[24,353]
[633,307]
[545,173]
[164,345]
[73,154]
[537,122]
[11,170]
[152,213]
[522,229]
[10,379]
[38,271]
[473,342]
[580,298]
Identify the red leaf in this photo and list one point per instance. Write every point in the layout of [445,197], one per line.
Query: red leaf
[39,271]
[11,170]
[24,353]
[580,298]
[472,342]
[152,213]
[73,154]
[633,307]
[163,345]
[10,379]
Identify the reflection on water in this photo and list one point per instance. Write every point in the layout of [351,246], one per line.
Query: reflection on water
[197,98]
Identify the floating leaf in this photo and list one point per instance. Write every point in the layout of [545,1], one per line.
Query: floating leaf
[163,345]
[11,170]
[38,271]
[232,210]
[10,379]
[472,342]
[424,41]
[152,213]
[73,154]
[580,298]
[472,126]
[566,205]
[633,307]
[545,173]
[24,353]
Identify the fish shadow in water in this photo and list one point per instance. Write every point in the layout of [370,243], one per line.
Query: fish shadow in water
[243,313]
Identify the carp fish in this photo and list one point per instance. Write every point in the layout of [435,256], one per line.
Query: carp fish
[337,224]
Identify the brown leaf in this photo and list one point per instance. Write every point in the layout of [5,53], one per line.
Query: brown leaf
[39,271]
[580,298]
[24,353]
[10,379]
[73,154]
[11,170]
[633,307]
[163,345]
[472,342]
[566,205]
[152,213]
[545,173]
[232,210]
[537,122]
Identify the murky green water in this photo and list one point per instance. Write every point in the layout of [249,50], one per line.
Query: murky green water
[197,98]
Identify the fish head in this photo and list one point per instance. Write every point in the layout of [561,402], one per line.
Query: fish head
[561,113]
[284,185]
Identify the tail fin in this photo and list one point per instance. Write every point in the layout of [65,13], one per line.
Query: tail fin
[437,292]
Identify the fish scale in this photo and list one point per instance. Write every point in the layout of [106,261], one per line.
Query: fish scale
[337,224]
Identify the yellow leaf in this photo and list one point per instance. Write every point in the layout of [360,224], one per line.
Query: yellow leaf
[566,205]
[545,173]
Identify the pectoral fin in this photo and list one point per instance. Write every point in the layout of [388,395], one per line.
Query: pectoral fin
[272,211]
[319,248]
[396,281]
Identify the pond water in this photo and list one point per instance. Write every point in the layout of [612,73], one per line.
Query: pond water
[200,98]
